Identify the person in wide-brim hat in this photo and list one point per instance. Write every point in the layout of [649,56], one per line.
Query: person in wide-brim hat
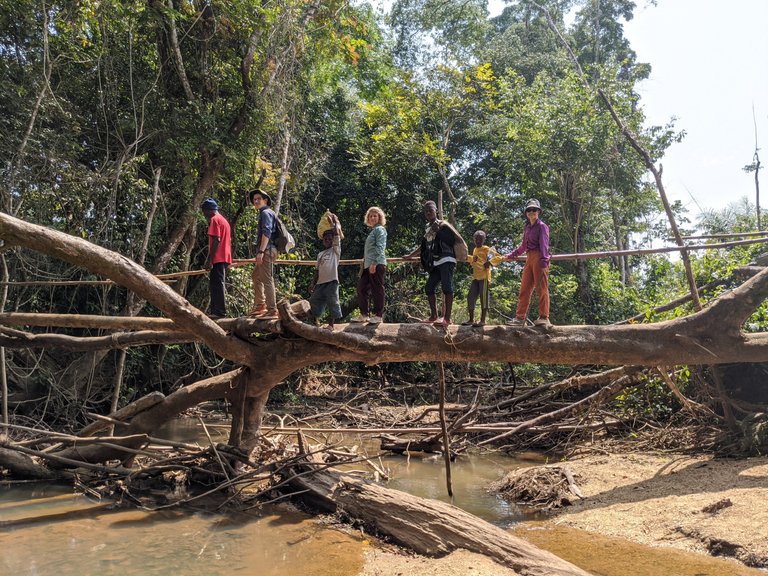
[263,278]
[260,192]
[535,246]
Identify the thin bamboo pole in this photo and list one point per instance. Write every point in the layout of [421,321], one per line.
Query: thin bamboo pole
[723,235]
[406,260]
[444,430]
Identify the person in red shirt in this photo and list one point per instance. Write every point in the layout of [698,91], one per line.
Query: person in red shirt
[535,246]
[219,256]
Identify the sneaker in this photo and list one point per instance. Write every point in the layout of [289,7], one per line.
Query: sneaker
[359,319]
[467,323]
[516,322]
[542,322]
[375,319]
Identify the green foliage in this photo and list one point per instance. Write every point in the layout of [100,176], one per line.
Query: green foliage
[650,400]
[100,98]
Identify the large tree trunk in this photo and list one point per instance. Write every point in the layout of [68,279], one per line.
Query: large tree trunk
[573,210]
[712,336]
[429,527]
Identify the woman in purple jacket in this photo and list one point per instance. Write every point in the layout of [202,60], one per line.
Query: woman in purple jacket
[535,245]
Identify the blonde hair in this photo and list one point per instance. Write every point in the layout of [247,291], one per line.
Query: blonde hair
[377,210]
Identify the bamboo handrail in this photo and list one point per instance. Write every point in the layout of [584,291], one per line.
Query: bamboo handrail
[171,276]
[724,235]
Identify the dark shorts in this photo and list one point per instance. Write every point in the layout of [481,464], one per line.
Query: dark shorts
[442,275]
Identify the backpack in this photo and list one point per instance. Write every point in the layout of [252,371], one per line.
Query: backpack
[460,248]
[283,239]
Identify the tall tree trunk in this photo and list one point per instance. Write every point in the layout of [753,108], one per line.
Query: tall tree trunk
[285,166]
[133,306]
[3,372]
[620,240]
[446,188]
[210,169]
[572,204]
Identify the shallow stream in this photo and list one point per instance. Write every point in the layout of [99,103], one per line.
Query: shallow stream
[68,535]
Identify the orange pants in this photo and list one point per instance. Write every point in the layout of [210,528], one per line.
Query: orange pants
[534,276]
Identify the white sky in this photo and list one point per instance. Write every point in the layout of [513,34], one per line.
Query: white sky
[710,67]
[709,70]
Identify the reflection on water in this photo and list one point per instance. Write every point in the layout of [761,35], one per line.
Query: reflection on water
[134,542]
[470,476]
[190,431]
[57,533]
[424,475]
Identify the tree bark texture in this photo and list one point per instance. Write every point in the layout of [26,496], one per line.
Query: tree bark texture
[712,336]
[129,274]
[429,527]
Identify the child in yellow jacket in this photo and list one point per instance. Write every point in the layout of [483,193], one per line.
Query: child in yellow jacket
[482,259]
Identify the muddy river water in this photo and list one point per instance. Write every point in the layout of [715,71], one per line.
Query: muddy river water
[56,533]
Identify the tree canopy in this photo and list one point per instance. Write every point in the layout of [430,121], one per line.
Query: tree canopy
[120,117]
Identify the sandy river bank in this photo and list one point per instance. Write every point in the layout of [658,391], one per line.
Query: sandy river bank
[689,508]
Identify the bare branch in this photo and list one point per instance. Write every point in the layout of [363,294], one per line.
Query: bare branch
[129,274]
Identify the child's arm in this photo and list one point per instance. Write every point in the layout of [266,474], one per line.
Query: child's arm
[333,219]
[494,258]
[338,235]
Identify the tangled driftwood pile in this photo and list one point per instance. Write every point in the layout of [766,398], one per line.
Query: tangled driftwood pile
[540,487]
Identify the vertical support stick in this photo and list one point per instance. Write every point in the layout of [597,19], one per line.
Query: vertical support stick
[4,387]
[3,374]
[444,427]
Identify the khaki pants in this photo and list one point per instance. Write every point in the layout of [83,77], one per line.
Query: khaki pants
[264,281]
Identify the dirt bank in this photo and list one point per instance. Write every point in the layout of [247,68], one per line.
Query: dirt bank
[711,507]
[697,503]
[389,561]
